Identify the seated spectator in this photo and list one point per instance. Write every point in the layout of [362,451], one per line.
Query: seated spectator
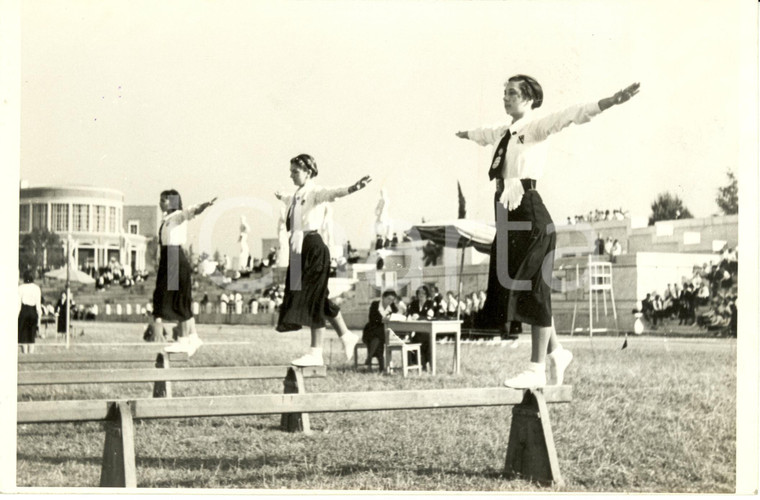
[687,302]
[452,304]
[373,334]
[647,309]
[658,310]
[394,241]
[421,307]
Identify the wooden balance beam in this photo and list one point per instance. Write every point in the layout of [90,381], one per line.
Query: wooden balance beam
[530,453]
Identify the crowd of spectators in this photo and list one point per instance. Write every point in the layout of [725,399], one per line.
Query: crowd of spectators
[264,301]
[115,274]
[609,247]
[707,298]
[599,215]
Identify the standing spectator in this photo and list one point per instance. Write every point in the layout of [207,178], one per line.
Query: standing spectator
[608,246]
[29,312]
[172,297]
[373,334]
[306,299]
[617,250]
[518,163]
[64,303]
[599,245]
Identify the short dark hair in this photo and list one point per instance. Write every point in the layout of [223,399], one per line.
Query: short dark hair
[389,293]
[423,288]
[28,276]
[174,198]
[306,162]
[529,88]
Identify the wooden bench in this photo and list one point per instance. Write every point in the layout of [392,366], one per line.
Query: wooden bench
[530,452]
[161,388]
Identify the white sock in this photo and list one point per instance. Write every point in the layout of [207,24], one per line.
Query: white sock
[556,351]
[537,367]
[317,351]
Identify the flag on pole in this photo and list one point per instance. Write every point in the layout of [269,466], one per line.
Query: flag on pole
[462,209]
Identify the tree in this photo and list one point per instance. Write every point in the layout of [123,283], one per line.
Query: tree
[152,253]
[728,196]
[668,207]
[40,249]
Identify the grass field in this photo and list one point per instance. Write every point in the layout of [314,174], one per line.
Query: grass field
[658,416]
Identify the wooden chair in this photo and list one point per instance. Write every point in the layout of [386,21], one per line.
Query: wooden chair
[395,344]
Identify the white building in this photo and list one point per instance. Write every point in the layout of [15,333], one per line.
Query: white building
[94,218]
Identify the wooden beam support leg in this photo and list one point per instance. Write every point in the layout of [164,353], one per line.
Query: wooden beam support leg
[118,470]
[295,422]
[531,453]
[161,388]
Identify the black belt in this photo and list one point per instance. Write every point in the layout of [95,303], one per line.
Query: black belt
[527,185]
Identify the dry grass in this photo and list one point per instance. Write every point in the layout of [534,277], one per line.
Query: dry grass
[659,416]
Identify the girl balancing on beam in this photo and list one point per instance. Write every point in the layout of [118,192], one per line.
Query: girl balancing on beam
[306,301]
[522,253]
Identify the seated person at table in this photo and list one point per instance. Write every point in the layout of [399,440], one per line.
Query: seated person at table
[422,307]
[373,334]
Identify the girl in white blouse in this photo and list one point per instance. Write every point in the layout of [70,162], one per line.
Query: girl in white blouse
[29,312]
[306,301]
[172,298]
[523,249]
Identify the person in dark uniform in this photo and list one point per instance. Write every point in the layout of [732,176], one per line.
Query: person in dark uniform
[306,301]
[373,334]
[525,239]
[421,307]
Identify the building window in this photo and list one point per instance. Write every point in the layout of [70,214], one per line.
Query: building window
[111,219]
[134,227]
[23,218]
[81,217]
[60,216]
[100,219]
[39,216]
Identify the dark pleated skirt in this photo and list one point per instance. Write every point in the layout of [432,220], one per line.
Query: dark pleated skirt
[27,324]
[306,301]
[172,298]
[524,295]
[62,319]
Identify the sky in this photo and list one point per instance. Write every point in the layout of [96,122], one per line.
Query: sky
[214,98]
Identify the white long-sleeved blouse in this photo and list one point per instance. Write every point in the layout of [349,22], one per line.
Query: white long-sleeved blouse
[309,210]
[526,151]
[173,229]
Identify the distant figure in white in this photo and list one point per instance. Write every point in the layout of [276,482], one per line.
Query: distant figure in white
[383,224]
[243,240]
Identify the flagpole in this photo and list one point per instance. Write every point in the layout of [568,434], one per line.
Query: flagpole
[68,291]
[461,270]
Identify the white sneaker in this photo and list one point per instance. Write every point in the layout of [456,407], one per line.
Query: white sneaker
[528,379]
[182,344]
[349,342]
[308,359]
[195,342]
[558,361]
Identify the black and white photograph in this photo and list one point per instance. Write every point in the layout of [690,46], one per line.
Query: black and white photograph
[401,247]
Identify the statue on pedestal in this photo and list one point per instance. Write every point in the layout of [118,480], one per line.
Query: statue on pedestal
[383,223]
[243,240]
